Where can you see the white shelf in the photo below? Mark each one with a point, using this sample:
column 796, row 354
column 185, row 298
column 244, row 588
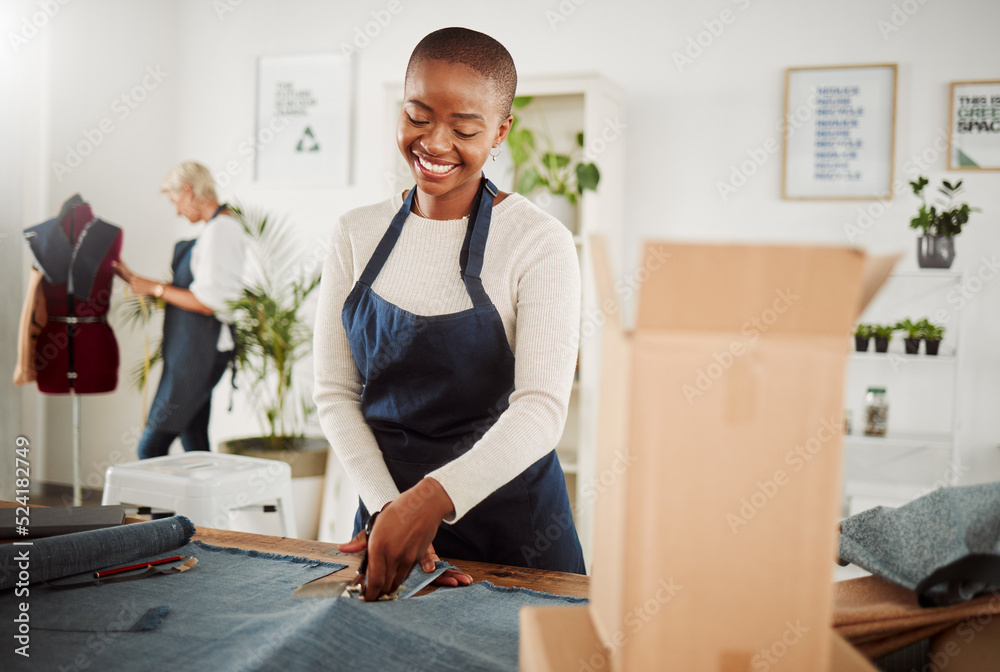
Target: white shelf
column 902, row 440
column 886, row 357
column 931, row 273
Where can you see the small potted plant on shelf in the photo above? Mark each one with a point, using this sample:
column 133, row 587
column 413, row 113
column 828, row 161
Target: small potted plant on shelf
column 556, row 180
column 932, row 335
column 914, row 332
column 862, row 337
column 936, row 247
column 883, row 335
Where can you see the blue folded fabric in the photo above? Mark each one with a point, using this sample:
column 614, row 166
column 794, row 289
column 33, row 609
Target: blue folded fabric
column 234, row 612
column 67, row 554
column 944, row 545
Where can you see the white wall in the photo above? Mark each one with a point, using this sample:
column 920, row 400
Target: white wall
column 687, row 128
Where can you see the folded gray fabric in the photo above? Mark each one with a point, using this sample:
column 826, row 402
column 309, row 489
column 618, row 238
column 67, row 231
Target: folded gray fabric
column 944, row 545
column 67, row 554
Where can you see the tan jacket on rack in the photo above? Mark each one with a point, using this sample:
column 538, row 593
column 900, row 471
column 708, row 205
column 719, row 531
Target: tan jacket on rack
column 33, row 319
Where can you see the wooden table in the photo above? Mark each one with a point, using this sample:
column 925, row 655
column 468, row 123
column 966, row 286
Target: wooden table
column 559, row 583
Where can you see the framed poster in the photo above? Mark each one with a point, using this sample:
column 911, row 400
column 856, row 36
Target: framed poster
column 840, row 128
column 303, row 119
column 974, row 141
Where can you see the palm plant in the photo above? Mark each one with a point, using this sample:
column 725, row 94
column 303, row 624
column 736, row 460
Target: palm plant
column 271, row 336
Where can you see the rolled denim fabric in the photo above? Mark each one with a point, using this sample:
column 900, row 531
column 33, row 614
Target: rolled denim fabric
column 68, row 554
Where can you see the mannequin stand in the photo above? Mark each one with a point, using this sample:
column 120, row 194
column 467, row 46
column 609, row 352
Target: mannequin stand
column 77, row 488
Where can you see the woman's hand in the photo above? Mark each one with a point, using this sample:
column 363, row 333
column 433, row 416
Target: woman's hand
column 451, row 578
column 403, row 534
column 138, row 284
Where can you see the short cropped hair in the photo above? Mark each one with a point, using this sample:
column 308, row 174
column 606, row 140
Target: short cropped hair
column 476, row 50
column 193, row 173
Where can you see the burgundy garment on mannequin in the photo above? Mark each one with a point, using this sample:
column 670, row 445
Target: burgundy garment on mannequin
column 95, row 348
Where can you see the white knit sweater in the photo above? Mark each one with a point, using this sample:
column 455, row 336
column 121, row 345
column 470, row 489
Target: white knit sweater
column 532, row 275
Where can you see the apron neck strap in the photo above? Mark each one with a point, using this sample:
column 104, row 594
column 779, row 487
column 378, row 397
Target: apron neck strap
column 473, row 249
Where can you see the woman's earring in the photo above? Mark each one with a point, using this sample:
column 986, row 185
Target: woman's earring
column 494, row 156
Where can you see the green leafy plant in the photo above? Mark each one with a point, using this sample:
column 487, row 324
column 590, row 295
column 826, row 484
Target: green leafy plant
column 863, row 330
column 538, row 165
column 137, row 312
column 912, row 329
column 883, row 331
column 946, row 221
column 931, row 331
column 271, row 336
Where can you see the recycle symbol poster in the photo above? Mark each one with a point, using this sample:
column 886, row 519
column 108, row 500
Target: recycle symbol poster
column 303, row 119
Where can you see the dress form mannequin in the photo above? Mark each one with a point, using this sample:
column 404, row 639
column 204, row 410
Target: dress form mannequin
column 65, row 343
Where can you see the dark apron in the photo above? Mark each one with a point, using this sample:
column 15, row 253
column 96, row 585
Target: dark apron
column 433, row 386
column 190, row 353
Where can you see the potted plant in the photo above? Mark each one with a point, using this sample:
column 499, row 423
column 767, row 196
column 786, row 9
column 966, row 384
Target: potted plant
column 932, row 335
column 936, row 247
column 272, row 336
column 538, row 167
column 862, row 337
column 883, row 335
column 914, row 332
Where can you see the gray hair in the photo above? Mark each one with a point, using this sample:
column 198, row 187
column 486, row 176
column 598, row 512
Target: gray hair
column 193, row 173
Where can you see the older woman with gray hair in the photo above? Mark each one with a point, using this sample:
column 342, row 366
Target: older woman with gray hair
column 198, row 338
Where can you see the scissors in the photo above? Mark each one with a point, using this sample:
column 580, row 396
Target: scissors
column 357, row 584
column 355, row 587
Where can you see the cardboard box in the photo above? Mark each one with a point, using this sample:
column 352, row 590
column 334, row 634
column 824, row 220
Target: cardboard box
column 718, row 465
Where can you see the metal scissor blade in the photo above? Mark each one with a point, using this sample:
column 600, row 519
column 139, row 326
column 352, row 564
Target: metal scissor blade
column 323, row 587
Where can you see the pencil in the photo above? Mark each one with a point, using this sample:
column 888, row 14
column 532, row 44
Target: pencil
column 100, row 575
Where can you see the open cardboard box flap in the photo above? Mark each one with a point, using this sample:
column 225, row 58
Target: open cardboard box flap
column 744, row 288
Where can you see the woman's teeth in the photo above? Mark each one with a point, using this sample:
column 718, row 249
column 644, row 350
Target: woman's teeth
column 438, row 169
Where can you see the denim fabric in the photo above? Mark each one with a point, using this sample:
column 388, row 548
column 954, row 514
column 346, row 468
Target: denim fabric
column 55, row 557
column 234, row 612
column 907, row 544
column 155, row 443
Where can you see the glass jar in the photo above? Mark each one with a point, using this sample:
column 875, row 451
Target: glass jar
column 876, row 411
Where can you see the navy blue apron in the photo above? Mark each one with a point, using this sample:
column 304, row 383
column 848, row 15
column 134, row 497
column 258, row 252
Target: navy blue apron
column 190, row 354
column 433, row 386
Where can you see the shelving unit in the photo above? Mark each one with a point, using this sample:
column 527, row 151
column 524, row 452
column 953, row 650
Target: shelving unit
column 921, row 450
column 569, row 104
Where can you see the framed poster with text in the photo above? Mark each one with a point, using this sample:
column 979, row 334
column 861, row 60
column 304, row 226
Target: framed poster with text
column 974, row 139
column 303, row 119
column 840, row 128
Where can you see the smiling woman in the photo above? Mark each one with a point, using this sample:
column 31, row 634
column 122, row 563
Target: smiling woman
column 446, row 339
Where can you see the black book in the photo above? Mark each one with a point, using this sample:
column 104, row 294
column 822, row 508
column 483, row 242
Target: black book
column 50, row 521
